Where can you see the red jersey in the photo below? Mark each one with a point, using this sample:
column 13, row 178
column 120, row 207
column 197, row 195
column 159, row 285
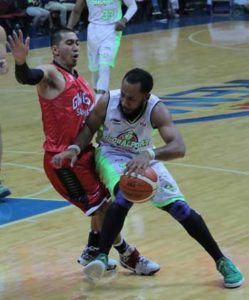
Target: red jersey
column 64, row 116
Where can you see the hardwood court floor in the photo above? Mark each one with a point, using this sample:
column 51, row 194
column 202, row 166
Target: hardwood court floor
column 202, row 72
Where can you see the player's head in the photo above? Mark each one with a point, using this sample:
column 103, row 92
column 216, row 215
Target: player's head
column 135, row 91
column 65, row 47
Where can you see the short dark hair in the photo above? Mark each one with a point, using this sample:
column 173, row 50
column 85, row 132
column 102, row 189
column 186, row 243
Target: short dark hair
column 141, row 76
column 56, row 35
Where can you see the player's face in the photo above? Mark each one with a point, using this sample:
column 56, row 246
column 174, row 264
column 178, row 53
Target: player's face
column 68, row 49
column 132, row 100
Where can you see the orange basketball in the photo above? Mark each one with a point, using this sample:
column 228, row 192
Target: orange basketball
column 140, row 188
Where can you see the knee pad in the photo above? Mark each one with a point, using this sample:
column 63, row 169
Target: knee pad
column 179, row 210
column 120, row 200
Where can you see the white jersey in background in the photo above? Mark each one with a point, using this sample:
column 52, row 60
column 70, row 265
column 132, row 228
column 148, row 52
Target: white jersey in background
column 125, row 135
column 104, row 11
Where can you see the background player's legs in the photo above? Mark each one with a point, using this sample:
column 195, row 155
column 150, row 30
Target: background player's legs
column 95, row 76
column 103, row 80
column 4, row 191
column 3, row 63
column 102, row 83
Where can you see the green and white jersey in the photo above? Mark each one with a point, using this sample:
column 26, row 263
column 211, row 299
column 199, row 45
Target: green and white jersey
column 124, row 135
column 104, row 11
column 121, row 141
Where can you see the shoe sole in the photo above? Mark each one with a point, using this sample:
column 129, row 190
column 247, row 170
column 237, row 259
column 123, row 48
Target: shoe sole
column 234, row 285
column 94, row 271
column 133, row 270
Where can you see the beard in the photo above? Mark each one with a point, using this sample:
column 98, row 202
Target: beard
column 134, row 114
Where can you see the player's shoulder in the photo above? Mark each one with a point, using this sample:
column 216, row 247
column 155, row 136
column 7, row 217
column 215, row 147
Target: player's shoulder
column 50, row 72
column 154, row 101
column 115, row 92
column 47, row 68
column 158, row 106
column 153, row 97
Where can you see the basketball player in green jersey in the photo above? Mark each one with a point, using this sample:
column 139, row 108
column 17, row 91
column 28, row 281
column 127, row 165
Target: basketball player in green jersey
column 104, row 33
column 4, row 191
column 133, row 108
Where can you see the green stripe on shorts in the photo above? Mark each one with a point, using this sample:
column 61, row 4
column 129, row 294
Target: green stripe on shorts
column 107, row 173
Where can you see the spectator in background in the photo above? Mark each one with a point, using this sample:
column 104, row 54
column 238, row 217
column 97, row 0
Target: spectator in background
column 62, row 6
column 156, row 8
column 6, row 6
column 173, row 7
column 38, row 13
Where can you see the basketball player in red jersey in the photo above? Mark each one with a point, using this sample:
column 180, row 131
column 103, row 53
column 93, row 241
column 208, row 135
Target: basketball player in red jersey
column 4, row 191
column 66, row 100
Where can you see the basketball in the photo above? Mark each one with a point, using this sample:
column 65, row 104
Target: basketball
column 139, row 188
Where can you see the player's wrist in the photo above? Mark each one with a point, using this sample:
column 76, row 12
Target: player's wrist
column 75, row 148
column 124, row 20
column 20, row 62
column 151, row 153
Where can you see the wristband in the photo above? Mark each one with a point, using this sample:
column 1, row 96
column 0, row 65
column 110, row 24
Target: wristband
column 151, row 153
column 75, row 147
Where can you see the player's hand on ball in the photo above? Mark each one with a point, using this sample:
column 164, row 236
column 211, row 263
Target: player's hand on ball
column 138, row 164
column 139, row 188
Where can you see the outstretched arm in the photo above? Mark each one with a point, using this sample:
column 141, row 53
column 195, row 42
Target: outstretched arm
column 75, row 14
column 20, row 50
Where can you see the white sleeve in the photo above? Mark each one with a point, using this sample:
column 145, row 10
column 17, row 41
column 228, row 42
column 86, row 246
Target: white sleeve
column 131, row 9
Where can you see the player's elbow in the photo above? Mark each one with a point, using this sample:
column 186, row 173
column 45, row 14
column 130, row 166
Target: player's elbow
column 181, row 150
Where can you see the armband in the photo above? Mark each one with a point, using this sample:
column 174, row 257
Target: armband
column 25, row 75
column 151, row 153
column 74, row 147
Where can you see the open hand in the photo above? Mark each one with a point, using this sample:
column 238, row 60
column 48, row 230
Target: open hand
column 18, row 48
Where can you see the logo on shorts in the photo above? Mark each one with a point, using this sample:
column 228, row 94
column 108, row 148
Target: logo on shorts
column 169, row 187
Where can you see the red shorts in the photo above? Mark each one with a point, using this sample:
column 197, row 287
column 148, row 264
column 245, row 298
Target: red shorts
column 80, row 184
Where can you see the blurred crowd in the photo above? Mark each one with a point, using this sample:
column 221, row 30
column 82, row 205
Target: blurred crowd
column 38, row 17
